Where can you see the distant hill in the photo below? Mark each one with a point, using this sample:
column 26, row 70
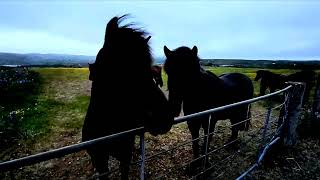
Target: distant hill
column 37, row 59
column 44, row 59
column 314, row 64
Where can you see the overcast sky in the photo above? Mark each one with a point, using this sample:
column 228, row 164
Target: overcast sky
column 232, row 29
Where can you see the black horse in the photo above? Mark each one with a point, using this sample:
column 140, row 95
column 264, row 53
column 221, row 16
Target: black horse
column 306, row 76
column 157, row 74
column 199, row 90
column 269, row 80
column 123, row 96
column 277, row 81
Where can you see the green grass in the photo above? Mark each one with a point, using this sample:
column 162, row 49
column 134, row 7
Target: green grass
column 65, row 74
column 64, row 96
column 59, row 106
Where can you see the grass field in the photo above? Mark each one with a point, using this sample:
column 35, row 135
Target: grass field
column 57, row 117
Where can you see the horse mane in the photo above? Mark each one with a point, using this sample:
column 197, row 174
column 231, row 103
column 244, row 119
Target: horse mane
column 136, row 59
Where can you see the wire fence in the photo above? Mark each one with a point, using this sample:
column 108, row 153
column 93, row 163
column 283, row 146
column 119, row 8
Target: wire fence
column 265, row 136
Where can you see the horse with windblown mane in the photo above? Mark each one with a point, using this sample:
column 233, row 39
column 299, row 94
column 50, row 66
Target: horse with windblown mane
column 124, row 96
column 198, row 90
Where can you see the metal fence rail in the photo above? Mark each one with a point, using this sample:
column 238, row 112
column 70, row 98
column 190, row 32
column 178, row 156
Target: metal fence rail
column 60, row 152
column 242, row 176
column 249, row 101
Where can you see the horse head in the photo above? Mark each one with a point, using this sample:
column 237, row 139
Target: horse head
column 259, row 75
column 181, row 62
column 181, row 65
column 125, row 62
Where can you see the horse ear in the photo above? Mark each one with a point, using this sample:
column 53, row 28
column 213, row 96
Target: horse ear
column 148, row 38
column 195, row 51
column 167, row 51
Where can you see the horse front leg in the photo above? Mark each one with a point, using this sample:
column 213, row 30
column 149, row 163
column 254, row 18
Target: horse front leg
column 208, row 135
column 195, row 143
column 125, row 156
column 194, row 127
column 124, row 169
column 238, row 127
column 208, row 132
column 100, row 163
column 263, row 88
column 234, row 133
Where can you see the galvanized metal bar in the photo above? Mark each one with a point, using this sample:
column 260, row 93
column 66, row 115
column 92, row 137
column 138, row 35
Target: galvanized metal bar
column 143, row 156
column 207, row 143
column 243, row 175
column 185, row 118
column 60, row 152
column 267, row 148
column 253, row 167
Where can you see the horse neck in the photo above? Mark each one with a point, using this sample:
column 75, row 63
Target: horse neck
column 210, row 74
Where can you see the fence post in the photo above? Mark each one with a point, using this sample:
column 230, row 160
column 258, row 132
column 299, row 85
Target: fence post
column 316, row 108
column 292, row 116
column 143, row 156
column 266, row 124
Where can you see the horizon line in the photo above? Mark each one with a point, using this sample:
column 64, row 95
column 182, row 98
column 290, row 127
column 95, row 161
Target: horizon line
column 162, row 57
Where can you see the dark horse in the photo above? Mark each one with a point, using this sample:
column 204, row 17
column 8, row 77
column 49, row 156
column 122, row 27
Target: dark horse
column 306, row 76
column 123, row 96
column 269, row 80
column 198, row 90
column 277, row 81
column 157, row 76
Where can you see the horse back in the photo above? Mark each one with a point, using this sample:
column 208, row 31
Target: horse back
column 238, row 85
